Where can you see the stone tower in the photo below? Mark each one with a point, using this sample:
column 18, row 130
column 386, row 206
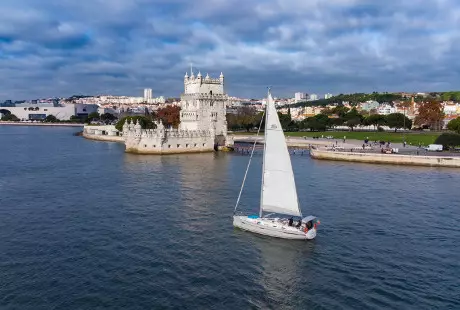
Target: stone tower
column 203, row 105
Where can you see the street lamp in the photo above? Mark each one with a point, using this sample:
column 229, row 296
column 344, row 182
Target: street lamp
column 404, row 126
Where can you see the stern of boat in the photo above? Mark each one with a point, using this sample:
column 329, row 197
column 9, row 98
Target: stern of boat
column 311, row 227
column 311, row 234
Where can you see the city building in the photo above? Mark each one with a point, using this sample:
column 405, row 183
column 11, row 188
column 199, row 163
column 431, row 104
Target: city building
column 299, row 97
column 147, row 94
column 313, row 97
column 385, row 109
column 203, row 124
column 39, row 111
column 369, row 105
column 327, row 96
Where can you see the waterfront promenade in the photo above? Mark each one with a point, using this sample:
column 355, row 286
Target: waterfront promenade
column 308, row 142
column 353, row 151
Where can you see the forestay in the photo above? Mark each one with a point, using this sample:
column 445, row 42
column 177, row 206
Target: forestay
column 279, row 193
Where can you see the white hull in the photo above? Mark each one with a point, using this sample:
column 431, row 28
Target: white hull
column 272, row 227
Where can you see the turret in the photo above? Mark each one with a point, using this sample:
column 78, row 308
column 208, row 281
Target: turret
column 207, row 78
column 221, row 78
column 137, row 126
column 159, row 125
column 125, row 126
column 186, row 77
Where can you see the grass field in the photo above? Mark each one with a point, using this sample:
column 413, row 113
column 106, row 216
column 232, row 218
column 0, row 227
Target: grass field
column 424, row 138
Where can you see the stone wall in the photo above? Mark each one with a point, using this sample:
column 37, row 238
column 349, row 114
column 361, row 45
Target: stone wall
column 377, row 158
column 102, row 133
column 161, row 141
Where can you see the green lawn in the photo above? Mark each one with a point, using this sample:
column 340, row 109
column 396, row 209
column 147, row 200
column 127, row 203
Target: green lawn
column 424, row 138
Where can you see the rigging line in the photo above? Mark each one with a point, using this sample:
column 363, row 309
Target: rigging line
column 247, row 168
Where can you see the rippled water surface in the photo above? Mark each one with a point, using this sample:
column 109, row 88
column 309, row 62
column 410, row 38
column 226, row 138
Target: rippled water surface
column 85, row 226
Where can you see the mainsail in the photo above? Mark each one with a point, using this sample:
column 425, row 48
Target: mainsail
column 279, row 193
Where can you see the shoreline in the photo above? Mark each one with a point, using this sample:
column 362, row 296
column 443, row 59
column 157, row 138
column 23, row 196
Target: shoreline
column 299, row 142
column 389, row 159
column 41, row 124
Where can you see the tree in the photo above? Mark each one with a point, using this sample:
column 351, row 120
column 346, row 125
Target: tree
column 108, row 117
column 398, row 120
column 338, row 121
column 448, row 140
column 51, row 119
column 247, row 118
column 319, row 122
column 76, row 119
column 169, row 115
column 353, row 118
column 93, row 116
column 285, row 119
column 10, row 117
column 373, row 112
column 430, row 113
column 340, row 111
column 232, row 121
column 454, row 125
column 146, row 123
column 375, row 120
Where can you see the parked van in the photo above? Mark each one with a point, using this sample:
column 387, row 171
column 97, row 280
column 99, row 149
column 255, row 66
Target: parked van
column 434, row 147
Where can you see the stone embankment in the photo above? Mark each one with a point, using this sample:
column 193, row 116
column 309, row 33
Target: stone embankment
column 393, row 159
column 298, row 142
column 106, row 133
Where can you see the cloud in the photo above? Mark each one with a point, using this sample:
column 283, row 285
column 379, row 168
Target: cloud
column 60, row 48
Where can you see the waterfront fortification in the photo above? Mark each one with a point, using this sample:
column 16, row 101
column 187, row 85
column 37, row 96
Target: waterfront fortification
column 393, row 159
column 202, row 128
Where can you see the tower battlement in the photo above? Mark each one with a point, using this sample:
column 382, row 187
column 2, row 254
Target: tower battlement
column 203, row 85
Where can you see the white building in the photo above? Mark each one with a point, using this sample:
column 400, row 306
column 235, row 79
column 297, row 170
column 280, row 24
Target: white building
column 202, row 126
column 29, row 111
column 299, row 97
column 327, row 96
column 369, row 105
column 313, row 97
column 385, row 109
column 121, row 100
column 451, row 108
column 147, row 94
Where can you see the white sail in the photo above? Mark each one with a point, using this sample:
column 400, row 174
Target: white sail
column 279, row 193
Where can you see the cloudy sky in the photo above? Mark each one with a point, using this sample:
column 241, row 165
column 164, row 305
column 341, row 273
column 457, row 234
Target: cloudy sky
column 65, row 47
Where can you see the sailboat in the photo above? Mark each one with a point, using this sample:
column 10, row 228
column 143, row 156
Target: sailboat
column 279, row 204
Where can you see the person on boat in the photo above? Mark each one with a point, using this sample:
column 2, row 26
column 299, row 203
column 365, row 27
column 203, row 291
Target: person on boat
column 299, row 223
column 291, row 220
column 309, row 225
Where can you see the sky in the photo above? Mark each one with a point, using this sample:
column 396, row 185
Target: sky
column 64, row 47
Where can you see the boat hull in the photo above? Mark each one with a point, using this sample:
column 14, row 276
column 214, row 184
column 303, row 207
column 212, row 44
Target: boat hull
column 272, row 228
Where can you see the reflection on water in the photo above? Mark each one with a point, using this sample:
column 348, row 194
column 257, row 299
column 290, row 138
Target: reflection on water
column 283, row 269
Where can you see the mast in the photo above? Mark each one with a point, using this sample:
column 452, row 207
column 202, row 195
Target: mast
column 263, row 160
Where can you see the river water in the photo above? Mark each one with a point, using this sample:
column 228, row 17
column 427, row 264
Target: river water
column 85, row 226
